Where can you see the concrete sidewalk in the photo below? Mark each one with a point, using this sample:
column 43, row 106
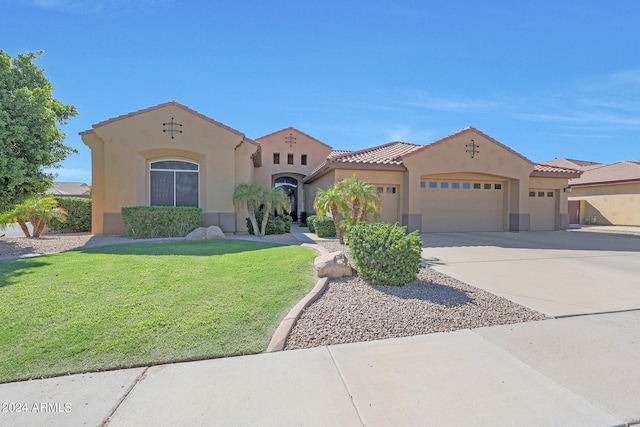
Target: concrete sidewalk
column 580, row 371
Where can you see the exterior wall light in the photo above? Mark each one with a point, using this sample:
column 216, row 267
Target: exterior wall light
column 567, row 189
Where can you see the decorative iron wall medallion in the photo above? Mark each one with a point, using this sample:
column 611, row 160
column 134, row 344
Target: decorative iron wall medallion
column 172, row 128
column 472, row 148
column 290, row 140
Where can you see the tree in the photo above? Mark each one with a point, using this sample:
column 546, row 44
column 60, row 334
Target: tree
column 331, row 200
column 361, row 198
column 37, row 210
column 274, row 198
column 30, row 137
column 250, row 195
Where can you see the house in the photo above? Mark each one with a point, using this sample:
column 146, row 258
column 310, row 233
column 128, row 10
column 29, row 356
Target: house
column 605, row 194
column 70, row 189
column 171, row 155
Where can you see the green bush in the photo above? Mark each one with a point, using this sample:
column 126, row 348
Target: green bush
column 311, row 222
column 276, row 224
column 78, row 215
column 325, row 227
column 385, row 254
column 160, row 221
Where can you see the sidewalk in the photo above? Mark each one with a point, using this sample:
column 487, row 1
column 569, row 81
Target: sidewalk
column 580, row 371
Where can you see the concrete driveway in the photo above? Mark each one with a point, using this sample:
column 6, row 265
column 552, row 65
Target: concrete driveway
column 559, row 273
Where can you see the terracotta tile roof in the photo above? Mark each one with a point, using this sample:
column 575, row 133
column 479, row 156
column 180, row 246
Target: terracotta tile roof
column 570, row 163
column 624, row 171
column 386, row 154
column 547, row 170
column 167, row 104
column 338, row 153
column 292, row 129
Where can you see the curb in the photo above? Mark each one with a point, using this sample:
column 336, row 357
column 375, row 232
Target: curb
column 279, row 338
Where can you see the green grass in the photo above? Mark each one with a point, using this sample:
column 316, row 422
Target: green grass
column 145, row 303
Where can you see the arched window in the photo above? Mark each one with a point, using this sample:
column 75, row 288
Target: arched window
column 174, row 183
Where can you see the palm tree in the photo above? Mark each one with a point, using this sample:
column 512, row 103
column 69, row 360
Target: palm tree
column 37, row 210
column 249, row 194
column 329, row 200
column 371, row 202
column 362, row 198
column 274, row 198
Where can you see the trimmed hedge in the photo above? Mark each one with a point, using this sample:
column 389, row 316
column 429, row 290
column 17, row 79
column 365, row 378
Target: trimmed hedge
column 160, row 221
column 385, row 254
column 325, row 227
column 311, row 223
column 78, row 215
column 276, row 224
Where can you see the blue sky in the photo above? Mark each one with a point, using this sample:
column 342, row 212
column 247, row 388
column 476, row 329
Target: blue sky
column 547, row 78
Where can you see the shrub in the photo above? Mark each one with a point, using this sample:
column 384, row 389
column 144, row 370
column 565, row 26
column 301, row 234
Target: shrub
column 78, row 215
column 276, row 224
column 311, row 222
column 385, row 254
column 325, row 227
column 160, row 221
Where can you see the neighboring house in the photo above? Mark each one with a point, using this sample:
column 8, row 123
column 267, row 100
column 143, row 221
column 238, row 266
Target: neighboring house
column 172, row 155
column 605, row 194
column 75, row 189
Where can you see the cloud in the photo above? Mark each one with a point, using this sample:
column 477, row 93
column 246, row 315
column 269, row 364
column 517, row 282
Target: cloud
column 610, row 101
column 96, row 6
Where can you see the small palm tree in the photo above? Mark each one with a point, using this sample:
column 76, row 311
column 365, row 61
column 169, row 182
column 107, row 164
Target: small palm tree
column 371, row 202
column 274, row 198
column 37, row 210
column 250, row 195
column 329, row 200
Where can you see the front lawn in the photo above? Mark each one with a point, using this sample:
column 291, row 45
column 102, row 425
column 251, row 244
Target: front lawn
column 145, row 303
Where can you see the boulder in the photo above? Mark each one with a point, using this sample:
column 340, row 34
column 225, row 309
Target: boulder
column 214, row 232
column 197, row 234
column 335, row 264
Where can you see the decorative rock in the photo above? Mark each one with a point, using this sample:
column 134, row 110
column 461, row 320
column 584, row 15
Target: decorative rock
column 334, row 264
column 197, row 234
column 214, row 232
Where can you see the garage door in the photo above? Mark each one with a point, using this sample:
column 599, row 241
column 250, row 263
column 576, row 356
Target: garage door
column 459, row 205
column 542, row 207
column 389, row 201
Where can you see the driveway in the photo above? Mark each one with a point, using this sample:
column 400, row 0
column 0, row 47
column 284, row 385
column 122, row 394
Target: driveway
column 559, row 273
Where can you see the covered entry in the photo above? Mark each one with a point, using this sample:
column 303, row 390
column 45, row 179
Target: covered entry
column 450, row 205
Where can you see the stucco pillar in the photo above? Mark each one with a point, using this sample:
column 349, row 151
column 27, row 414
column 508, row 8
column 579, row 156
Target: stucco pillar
column 519, row 217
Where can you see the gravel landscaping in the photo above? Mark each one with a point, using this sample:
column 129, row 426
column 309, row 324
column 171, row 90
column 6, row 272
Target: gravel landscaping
column 352, row 309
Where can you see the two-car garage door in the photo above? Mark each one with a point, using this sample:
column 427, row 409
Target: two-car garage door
column 463, row 205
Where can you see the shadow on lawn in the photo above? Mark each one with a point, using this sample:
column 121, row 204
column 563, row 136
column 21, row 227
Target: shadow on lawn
column 181, row 248
column 12, row 270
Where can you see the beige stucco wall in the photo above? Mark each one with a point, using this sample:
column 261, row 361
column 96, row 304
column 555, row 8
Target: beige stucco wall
column 311, row 189
column 315, row 151
column 617, row 204
column 449, row 157
column 122, row 150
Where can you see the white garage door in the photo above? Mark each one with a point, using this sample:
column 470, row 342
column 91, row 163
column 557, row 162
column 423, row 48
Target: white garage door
column 542, row 206
column 462, row 205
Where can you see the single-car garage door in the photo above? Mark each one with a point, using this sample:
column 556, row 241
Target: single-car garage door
column 542, row 207
column 462, row 205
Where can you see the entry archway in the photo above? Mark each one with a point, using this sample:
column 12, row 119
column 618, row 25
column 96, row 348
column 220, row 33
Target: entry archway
column 290, row 187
